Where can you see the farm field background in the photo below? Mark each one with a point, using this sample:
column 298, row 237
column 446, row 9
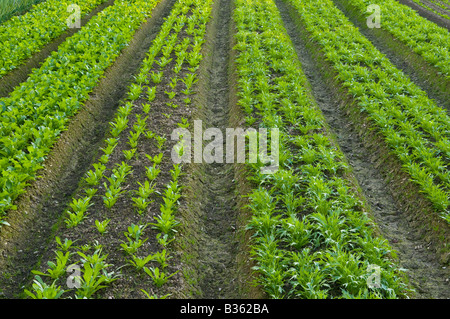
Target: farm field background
column 105, row 104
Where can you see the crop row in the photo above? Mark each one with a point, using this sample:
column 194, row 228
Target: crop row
column 38, row 110
column 24, row 35
column 423, row 37
column 413, row 126
column 437, row 3
column 121, row 178
column 311, row 235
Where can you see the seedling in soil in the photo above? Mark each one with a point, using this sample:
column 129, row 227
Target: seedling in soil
column 125, row 110
column 170, row 94
column 101, row 226
column 154, row 296
column 134, row 91
column 111, row 196
column 109, row 149
column 175, row 172
column 146, row 108
column 189, row 80
column 80, row 205
column 163, row 62
column 160, row 141
column 193, row 68
column 151, row 93
column 150, row 134
column 56, row 269
column 73, row 219
column 194, row 59
column 94, row 177
column 172, row 105
column 165, row 222
column 177, row 68
column 132, row 246
column 187, row 92
column 146, row 189
column 104, row 159
column 164, row 239
column 118, row 126
column 94, row 278
column 141, row 204
column 43, row 291
column 156, row 76
column 129, row 153
column 173, row 83
column 184, row 123
column 155, row 159
column 64, row 246
column 142, row 78
column 140, row 262
column 159, row 277
column 162, row 257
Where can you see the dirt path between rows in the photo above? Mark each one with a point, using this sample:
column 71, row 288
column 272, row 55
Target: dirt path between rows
column 218, row 247
column 428, row 277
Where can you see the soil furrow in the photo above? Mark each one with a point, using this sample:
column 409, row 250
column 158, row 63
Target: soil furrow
column 428, row 277
column 218, row 246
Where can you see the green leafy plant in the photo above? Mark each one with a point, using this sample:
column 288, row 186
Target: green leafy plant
column 43, row 291
column 159, row 277
column 102, row 225
column 56, row 269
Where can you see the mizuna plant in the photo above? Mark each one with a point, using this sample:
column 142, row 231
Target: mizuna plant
column 423, row 36
column 414, row 127
column 311, row 236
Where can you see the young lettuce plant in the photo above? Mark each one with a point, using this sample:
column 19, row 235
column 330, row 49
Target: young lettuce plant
column 57, row 268
column 102, row 225
column 43, row 291
column 159, row 277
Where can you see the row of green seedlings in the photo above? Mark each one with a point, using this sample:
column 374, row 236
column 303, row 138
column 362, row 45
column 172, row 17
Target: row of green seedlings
column 37, row 111
column 311, row 234
column 161, row 55
column 423, row 36
column 165, row 222
column 414, row 127
column 95, row 275
column 437, row 3
column 22, row 35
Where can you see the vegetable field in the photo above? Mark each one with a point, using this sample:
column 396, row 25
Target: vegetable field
column 225, row 149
